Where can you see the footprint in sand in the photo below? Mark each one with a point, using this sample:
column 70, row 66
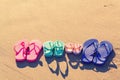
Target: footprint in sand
column 108, row 5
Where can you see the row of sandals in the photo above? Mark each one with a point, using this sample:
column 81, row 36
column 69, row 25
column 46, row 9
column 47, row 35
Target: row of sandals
column 91, row 50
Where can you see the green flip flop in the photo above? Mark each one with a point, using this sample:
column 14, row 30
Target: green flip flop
column 58, row 48
column 48, row 48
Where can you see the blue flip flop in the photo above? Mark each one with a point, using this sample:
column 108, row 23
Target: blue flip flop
column 89, row 49
column 103, row 51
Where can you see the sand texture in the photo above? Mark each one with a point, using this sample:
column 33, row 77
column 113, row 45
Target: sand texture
column 66, row 20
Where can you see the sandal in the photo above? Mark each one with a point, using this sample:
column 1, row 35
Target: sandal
column 76, row 49
column 89, row 50
column 58, row 48
column 33, row 51
column 20, row 50
column 69, row 48
column 48, row 48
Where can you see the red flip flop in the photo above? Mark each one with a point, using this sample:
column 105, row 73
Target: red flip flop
column 34, row 50
column 20, row 49
column 69, row 47
column 77, row 48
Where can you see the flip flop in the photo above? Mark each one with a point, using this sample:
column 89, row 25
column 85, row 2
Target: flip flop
column 76, row 49
column 58, row 48
column 69, row 48
column 89, row 49
column 48, row 48
column 103, row 51
column 20, row 50
column 33, row 52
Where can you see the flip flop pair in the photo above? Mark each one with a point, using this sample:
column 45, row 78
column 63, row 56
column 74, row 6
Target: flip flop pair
column 27, row 50
column 73, row 48
column 96, row 52
column 51, row 48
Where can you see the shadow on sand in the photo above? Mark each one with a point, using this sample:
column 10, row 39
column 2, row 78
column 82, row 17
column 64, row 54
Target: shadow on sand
column 58, row 70
column 101, row 68
column 74, row 62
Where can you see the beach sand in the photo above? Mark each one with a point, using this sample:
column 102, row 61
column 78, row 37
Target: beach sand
column 66, row 20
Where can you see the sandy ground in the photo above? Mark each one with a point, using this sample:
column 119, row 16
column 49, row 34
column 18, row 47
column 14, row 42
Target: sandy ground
column 66, row 20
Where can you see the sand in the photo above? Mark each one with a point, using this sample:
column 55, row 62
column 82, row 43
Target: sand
column 66, row 20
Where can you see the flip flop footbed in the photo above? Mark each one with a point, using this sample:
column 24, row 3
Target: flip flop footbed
column 69, row 47
column 77, row 48
column 103, row 51
column 48, row 48
column 20, row 50
column 89, row 49
column 96, row 60
column 35, row 47
column 58, row 48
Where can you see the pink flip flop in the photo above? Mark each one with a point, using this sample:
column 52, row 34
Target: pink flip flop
column 77, row 48
column 69, row 47
column 20, row 49
column 34, row 50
